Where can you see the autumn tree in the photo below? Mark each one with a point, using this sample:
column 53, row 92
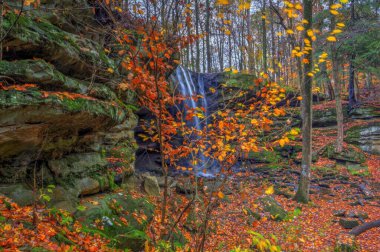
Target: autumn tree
column 302, row 194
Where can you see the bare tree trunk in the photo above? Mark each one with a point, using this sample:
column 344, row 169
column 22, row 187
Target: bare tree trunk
column 337, row 88
column 264, row 30
column 273, row 48
column 197, row 47
column 338, row 106
column 302, row 194
column 351, row 84
column 208, row 45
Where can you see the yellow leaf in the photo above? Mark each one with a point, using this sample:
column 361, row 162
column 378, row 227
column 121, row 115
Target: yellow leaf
column 269, row 190
column 234, row 71
column 304, row 21
column 310, row 33
column 254, row 122
column 298, row 6
column 227, row 32
column 222, row 2
column 28, row 2
column 300, row 28
column 299, row 98
column 110, row 70
column 340, row 25
column 336, row 31
column 227, row 69
column 335, row 6
column 7, row 227
column 293, row 132
column 289, row 31
column 334, row 12
column 344, row 1
column 310, row 74
column 281, row 142
column 220, row 195
column 331, row 38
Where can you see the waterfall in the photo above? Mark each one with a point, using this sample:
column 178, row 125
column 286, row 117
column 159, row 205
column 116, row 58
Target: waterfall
column 190, row 84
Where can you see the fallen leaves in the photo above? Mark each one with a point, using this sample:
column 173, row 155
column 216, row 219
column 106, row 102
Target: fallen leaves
column 17, row 231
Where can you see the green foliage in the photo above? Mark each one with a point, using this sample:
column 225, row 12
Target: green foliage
column 239, row 80
column 294, row 214
column 45, row 194
column 262, row 244
column 364, row 42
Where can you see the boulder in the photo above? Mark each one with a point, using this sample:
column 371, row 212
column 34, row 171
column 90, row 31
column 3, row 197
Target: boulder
column 71, row 54
column 348, row 223
column 19, row 193
column 184, row 187
column 49, row 78
column 123, row 218
column 364, row 112
column 366, row 137
column 349, row 154
column 270, row 205
column 151, row 186
column 77, row 165
column 88, row 186
column 357, row 169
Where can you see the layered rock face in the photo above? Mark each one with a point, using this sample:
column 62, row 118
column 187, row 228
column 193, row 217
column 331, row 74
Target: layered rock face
column 64, row 127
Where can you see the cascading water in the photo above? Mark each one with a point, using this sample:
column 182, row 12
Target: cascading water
column 195, row 94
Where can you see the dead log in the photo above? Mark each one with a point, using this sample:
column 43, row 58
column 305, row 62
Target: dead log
column 364, row 227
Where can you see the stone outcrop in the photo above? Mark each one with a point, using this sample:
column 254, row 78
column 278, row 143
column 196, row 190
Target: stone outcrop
column 366, row 137
column 66, row 126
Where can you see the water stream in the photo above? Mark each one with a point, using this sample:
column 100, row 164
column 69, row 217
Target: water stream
column 191, row 85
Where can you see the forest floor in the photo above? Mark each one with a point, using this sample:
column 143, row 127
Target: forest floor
column 315, row 228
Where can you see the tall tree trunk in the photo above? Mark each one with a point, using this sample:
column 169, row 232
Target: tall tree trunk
column 264, row 30
column 302, row 194
column 208, row 45
column 351, row 84
column 273, row 48
column 250, row 46
column 197, row 47
column 337, row 88
column 338, row 106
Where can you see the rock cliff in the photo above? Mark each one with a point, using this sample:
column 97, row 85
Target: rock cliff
column 61, row 116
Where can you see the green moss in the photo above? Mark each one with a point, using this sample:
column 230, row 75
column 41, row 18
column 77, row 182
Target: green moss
column 264, row 157
column 239, row 80
column 39, row 32
column 348, row 154
column 14, row 98
column 45, row 74
column 119, row 212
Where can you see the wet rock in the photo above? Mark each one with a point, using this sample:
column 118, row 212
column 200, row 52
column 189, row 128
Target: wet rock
column 348, row 223
column 271, row 206
column 357, row 169
column 77, row 164
column 87, row 186
column 19, row 193
column 151, row 186
column 326, row 117
column 184, row 187
column 366, row 137
column 125, row 219
column 339, row 213
column 70, row 53
column 349, row 154
column 356, row 214
column 365, row 112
